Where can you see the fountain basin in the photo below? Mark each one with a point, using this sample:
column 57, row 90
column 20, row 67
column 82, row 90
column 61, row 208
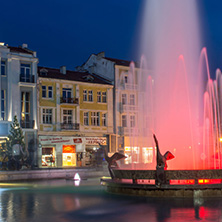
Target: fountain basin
column 179, row 183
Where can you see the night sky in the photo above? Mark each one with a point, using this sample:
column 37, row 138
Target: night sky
column 67, row 32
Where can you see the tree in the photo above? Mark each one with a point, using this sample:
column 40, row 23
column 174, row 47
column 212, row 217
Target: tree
column 15, row 137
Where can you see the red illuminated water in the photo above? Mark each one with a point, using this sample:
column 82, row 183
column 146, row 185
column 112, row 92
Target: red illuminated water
column 60, row 200
column 177, row 99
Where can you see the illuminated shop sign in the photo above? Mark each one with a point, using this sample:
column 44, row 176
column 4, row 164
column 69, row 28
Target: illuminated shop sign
column 95, row 140
column 58, row 140
column 69, row 149
column 78, row 140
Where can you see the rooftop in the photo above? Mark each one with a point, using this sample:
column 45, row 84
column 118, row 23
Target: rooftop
column 122, row 62
column 54, row 73
column 20, row 49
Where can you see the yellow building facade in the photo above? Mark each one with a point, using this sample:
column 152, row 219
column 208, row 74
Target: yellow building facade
column 75, row 112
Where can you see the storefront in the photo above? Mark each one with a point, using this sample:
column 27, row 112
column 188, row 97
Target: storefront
column 70, row 151
column 48, row 156
column 137, row 151
column 69, row 155
column 94, row 155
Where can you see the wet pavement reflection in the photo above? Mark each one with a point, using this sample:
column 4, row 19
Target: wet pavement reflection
column 61, row 200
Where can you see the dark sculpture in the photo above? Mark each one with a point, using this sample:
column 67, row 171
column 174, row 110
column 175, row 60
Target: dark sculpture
column 111, row 160
column 161, row 164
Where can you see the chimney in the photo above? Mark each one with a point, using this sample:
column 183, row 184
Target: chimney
column 63, row 70
column 24, row 46
column 101, row 55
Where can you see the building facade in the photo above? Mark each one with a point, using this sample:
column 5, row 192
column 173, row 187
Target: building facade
column 131, row 122
column 18, row 93
column 75, row 111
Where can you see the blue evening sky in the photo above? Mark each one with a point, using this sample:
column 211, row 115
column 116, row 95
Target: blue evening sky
column 67, row 32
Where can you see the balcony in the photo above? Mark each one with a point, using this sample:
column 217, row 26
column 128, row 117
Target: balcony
column 69, row 100
column 70, row 126
column 27, row 124
column 129, row 131
column 130, row 86
column 27, row 79
column 128, row 108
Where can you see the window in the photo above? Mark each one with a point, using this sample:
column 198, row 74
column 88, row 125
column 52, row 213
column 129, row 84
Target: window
column 124, row 99
column 90, row 95
column 25, row 106
column 84, row 95
column 86, row 118
column 43, row 91
column 104, row 97
column 66, row 93
column 50, row 92
column 3, row 105
column 124, row 121
column 104, row 123
column 99, row 97
column 67, row 116
column 95, row 121
column 3, row 68
column 47, row 116
column 25, row 72
column 132, row 99
column 132, row 121
column 126, row 79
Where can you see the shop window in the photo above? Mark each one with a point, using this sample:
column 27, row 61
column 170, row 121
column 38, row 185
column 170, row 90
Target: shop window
column 48, row 156
column 69, row 155
column 147, row 154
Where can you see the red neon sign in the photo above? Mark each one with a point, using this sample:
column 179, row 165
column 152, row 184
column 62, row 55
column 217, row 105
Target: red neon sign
column 182, row 182
column 209, row 181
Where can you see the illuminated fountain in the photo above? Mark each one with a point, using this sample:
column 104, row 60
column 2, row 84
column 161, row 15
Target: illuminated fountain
column 177, row 100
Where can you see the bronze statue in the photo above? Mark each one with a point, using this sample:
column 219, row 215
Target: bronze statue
column 161, row 164
column 161, row 159
column 112, row 160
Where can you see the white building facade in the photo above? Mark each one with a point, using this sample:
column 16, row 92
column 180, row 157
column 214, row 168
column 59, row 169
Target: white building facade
column 18, row 93
column 130, row 130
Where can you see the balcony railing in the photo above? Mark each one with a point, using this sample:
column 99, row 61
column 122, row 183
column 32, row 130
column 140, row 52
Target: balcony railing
column 70, row 126
column 69, row 100
column 27, row 124
column 126, row 108
column 131, row 86
column 30, row 79
column 129, row 131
